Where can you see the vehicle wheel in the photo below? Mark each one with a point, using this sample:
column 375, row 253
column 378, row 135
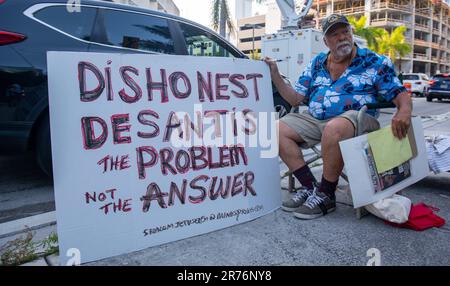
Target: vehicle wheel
column 429, row 99
column 43, row 146
column 439, row 99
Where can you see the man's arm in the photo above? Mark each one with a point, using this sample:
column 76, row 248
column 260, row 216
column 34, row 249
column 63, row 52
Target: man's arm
column 285, row 89
column 402, row 118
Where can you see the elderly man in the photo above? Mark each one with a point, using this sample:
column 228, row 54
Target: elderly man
column 336, row 84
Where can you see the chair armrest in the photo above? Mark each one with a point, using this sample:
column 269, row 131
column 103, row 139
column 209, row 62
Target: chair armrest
column 367, row 106
column 380, row 105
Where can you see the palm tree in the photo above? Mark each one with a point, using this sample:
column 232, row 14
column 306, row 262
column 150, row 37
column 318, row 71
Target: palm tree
column 369, row 33
column 221, row 18
column 254, row 55
column 393, row 44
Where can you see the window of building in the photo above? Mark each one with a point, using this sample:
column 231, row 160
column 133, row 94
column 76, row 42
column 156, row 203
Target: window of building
column 250, row 26
column 246, row 40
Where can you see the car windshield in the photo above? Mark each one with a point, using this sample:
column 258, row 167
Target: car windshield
column 410, row 77
column 442, row 77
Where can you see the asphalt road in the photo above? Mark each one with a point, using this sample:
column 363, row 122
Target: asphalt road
column 26, row 191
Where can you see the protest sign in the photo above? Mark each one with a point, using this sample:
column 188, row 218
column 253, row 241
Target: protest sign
column 149, row 149
column 363, row 183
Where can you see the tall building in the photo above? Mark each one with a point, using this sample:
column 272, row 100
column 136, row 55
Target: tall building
column 427, row 23
column 243, row 9
column 249, row 33
column 166, row 6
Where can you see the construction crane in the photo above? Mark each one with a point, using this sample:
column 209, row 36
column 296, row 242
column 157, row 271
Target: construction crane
column 293, row 12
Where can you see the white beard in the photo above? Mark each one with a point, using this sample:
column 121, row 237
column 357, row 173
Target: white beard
column 344, row 50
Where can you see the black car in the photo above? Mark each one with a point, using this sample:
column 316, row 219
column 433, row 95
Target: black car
column 28, row 29
column 439, row 87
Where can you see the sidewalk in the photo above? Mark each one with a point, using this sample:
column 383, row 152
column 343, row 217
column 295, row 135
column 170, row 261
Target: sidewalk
column 336, row 239
column 281, row 239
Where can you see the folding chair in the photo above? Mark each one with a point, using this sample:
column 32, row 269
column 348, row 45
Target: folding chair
column 317, row 154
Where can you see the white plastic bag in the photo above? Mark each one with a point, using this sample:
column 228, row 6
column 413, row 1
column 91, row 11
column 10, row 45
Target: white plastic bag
column 395, row 208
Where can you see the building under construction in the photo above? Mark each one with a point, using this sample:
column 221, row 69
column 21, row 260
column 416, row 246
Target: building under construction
column 427, row 23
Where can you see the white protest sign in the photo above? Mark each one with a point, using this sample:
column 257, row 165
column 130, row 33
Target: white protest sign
column 358, row 171
column 149, row 149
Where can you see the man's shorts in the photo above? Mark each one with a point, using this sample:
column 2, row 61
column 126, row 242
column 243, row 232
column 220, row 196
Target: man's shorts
column 310, row 129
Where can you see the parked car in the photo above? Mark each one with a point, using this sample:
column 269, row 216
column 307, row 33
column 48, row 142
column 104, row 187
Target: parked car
column 439, row 87
column 416, row 83
column 28, row 29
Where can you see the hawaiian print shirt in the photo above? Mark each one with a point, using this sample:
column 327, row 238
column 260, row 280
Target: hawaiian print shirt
column 369, row 79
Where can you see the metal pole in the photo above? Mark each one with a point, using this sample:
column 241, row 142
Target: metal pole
column 253, row 42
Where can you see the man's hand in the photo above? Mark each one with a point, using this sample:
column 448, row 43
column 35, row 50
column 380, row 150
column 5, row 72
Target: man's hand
column 272, row 65
column 286, row 91
column 400, row 124
column 402, row 118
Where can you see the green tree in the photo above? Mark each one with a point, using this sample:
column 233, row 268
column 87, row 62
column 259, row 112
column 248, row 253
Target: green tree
column 254, row 55
column 393, row 44
column 221, row 18
column 369, row 33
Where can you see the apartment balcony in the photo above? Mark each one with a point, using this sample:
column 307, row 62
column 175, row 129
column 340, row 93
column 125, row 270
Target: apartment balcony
column 435, row 45
column 424, row 12
column 391, row 6
column 422, row 43
column 436, row 31
column 380, row 22
column 423, row 57
column 422, row 27
column 351, row 11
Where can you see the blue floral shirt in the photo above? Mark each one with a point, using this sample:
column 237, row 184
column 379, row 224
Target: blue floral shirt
column 369, row 78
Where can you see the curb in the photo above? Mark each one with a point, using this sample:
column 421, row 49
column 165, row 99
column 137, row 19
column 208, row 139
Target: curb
column 29, row 223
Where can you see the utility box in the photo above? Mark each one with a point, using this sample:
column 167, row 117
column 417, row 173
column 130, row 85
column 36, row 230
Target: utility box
column 295, row 49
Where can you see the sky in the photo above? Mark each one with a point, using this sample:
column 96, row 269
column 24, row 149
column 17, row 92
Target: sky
column 200, row 10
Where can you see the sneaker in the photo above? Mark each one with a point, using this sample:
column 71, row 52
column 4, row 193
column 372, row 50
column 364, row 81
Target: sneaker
column 317, row 205
column 297, row 200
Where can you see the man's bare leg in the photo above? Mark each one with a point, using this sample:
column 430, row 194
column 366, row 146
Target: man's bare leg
column 336, row 130
column 291, row 154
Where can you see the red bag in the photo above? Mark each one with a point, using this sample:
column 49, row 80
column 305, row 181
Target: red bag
column 421, row 217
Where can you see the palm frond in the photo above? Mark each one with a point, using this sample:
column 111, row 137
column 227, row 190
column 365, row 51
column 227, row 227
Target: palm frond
column 227, row 16
column 215, row 14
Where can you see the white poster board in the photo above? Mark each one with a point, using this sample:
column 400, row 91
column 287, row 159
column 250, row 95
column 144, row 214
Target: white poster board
column 357, row 169
column 124, row 179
